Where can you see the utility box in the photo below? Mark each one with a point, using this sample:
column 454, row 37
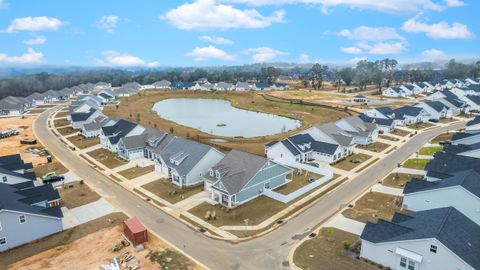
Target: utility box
column 135, row 231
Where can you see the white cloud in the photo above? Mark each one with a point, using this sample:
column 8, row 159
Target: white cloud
column 34, row 24
column 377, row 48
column 108, row 23
column 216, row 40
column 210, row 52
column 30, row 57
column 371, row 33
column 304, row 58
column 3, row 5
column 355, row 60
column 389, row 6
column 441, row 30
column 433, row 54
column 35, row 41
column 264, row 54
column 454, row 3
column 208, row 14
column 114, row 58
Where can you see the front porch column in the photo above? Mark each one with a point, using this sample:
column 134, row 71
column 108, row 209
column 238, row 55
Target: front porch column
column 213, row 195
column 229, row 201
column 220, row 198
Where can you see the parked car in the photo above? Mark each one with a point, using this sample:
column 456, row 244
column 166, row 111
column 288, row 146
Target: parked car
column 53, row 179
column 28, row 141
column 48, row 175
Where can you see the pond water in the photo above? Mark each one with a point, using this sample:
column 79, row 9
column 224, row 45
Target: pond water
column 219, row 117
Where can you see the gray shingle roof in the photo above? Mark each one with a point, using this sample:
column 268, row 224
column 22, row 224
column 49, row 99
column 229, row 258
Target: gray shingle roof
column 362, row 128
column 475, row 121
column 337, row 134
column 436, row 105
column 470, row 180
column 446, row 165
column 82, row 116
column 454, row 230
column 305, row 143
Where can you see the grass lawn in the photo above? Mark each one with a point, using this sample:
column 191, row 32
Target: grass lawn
column 416, row 163
column 442, row 137
column 429, row 151
column 109, row 159
column 420, row 126
column 398, row 180
column 389, row 138
column 55, row 166
column 61, row 114
column 373, row 206
column 164, row 189
column 81, row 142
column 352, row 161
column 326, row 252
column 135, row 172
column 79, row 194
column 298, row 181
column 374, row 147
column 67, row 131
column 61, row 122
column 400, row 132
column 59, row 239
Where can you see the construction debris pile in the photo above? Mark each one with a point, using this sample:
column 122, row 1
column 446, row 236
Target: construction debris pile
column 125, row 261
column 9, row 133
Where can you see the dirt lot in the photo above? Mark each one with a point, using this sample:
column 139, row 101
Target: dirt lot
column 352, row 161
column 93, row 250
column 375, row 147
column 79, row 194
column 61, row 122
column 42, row 169
column 373, row 206
column 81, row 142
column 400, row 132
column 398, row 180
column 135, row 172
column 107, row 158
column 443, row 137
column 164, row 189
column 142, row 105
column 67, row 131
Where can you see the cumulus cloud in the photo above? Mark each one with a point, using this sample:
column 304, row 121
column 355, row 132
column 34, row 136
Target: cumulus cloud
column 264, row 54
column 30, row 57
column 114, row 58
column 378, row 48
column 216, row 40
column 374, row 40
column 107, row 23
column 35, row 41
column 34, row 24
column 454, row 3
column 210, row 52
column 433, row 54
column 304, row 58
column 441, row 30
column 352, row 50
column 208, row 14
column 355, row 60
column 371, row 33
column 389, row 6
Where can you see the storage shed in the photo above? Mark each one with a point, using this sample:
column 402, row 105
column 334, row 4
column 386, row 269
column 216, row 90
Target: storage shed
column 135, row 231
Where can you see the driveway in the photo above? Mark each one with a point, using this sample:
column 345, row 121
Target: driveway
column 86, row 213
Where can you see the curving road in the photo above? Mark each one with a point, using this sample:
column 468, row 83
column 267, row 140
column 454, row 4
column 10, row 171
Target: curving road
column 267, row 252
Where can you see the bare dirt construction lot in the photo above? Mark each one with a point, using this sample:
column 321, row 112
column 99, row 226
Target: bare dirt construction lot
column 95, row 249
column 76, row 194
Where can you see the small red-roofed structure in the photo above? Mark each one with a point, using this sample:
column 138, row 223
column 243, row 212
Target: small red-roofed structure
column 135, row 231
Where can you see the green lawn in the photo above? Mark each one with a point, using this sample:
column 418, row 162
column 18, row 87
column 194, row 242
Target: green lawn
column 416, row 163
column 429, row 151
column 164, row 189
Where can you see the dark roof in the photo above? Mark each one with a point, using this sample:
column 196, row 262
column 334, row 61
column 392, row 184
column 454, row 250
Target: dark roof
column 14, row 199
column 463, row 135
column 475, row 121
column 44, row 192
column 118, row 130
column 378, row 121
column 104, row 95
column 385, row 110
column 436, row 105
column 454, row 230
column 460, row 148
column 271, row 143
column 360, row 96
column 262, row 85
column 82, row 116
column 323, row 147
column 303, row 143
column 14, row 163
column 407, row 110
column 446, row 165
column 470, row 180
column 27, row 176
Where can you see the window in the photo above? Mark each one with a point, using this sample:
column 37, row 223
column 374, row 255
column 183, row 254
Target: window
column 403, row 262
column 4, row 179
column 433, row 248
column 3, row 241
column 22, row 219
column 407, row 264
column 411, row 265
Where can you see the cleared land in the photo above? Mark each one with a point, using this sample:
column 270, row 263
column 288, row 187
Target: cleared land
column 298, row 181
column 79, row 194
column 352, row 161
column 142, row 105
column 55, row 166
column 400, row 132
column 429, row 151
column 164, row 189
column 398, row 180
column 389, row 138
column 420, row 126
column 61, row 114
column 67, row 131
column 61, row 122
column 375, row 147
column 416, row 163
column 373, row 206
column 326, row 251
column 135, row 172
column 109, row 159
column 81, row 142
column 442, row 137
column 447, row 120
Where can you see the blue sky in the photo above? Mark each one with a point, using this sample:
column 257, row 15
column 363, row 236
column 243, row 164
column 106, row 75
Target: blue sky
column 153, row 33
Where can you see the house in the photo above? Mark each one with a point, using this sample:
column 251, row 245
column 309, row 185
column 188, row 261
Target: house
column 155, row 145
column 206, row 86
column 261, row 86
column 467, row 138
column 102, row 85
column 163, row 84
column 36, row 99
column 436, row 96
column 125, row 91
column 28, row 214
column 303, row 148
column 279, row 86
column 93, row 128
column 360, row 99
column 52, row 96
column 111, row 135
column 473, row 125
column 395, row 91
column 441, row 238
column 435, row 109
column 462, row 189
column 363, row 132
column 242, row 86
column 412, row 115
column 331, row 133
column 412, row 89
column 425, row 88
column 133, row 147
column 473, row 102
column 467, row 150
column 445, row 165
column 383, row 125
column 223, row 86
column 240, row 177
column 381, row 112
column 11, row 177
column 79, row 119
column 11, row 108
column 186, row 162
column 14, row 163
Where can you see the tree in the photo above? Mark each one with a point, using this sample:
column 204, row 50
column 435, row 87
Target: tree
column 317, row 75
column 347, row 74
column 387, row 66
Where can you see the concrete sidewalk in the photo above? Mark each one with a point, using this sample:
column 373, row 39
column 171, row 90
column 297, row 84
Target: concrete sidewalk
column 387, row 190
column 346, row 224
column 410, row 171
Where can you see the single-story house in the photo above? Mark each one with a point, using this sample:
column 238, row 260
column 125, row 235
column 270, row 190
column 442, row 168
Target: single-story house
column 441, row 238
column 462, row 191
column 333, row 134
column 382, row 112
column 363, row 132
column 223, row 86
column 14, row 163
column 467, row 150
column 186, row 162
column 383, row 125
column 261, row 86
column 111, row 135
column 37, row 99
column 473, row 102
column 79, row 119
column 473, row 125
column 445, row 165
column 93, row 128
column 11, row 108
column 240, row 177
column 436, row 109
column 412, row 115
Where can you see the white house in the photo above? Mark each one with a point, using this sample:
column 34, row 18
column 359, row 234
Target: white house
column 412, row 115
column 394, row 91
column 79, row 119
column 93, row 128
column 383, row 124
column 436, row 109
column 331, row 133
column 441, row 238
column 363, row 132
column 111, row 135
column 473, row 125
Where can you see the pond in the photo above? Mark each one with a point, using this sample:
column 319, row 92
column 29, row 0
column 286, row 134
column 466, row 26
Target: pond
column 218, row 117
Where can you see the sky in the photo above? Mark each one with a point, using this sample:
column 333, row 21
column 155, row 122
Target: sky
column 165, row 33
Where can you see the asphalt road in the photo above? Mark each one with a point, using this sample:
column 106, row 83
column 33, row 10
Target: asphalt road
column 267, row 252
